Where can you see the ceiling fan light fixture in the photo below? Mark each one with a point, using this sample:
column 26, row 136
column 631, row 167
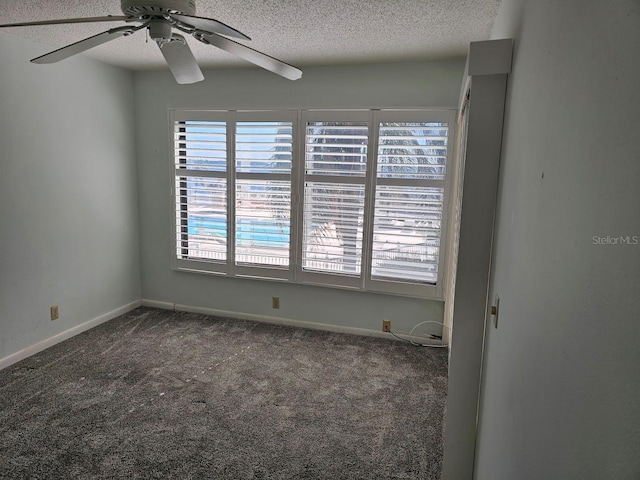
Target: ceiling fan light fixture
column 160, row 31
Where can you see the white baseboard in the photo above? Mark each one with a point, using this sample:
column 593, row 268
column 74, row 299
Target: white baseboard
column 283, row 321
column 60, row 337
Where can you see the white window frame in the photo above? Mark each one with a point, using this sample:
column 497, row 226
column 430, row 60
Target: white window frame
column 404, row 287
column 330, row 278
column 294, row 272
column 229, row 267
column 192, row 264
column 267, row 272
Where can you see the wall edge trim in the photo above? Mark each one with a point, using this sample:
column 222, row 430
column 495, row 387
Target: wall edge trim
column 289, row 322
column 65, row 335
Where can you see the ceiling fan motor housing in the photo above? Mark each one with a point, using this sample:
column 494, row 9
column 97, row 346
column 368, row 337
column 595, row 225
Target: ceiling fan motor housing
column 159, row 18
column 146, row 8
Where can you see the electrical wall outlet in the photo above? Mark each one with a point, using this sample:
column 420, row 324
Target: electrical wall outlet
column 54, row 312
column 275, row 302
column 386, row 325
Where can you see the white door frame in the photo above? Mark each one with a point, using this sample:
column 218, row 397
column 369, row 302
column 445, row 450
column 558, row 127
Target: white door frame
column 488, row 66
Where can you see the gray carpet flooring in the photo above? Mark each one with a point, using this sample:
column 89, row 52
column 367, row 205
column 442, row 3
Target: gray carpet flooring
column 163, row 394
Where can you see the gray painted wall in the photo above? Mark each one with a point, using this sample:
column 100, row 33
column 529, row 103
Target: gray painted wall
column 68, row 205
column 561, row 375
column 407, row 85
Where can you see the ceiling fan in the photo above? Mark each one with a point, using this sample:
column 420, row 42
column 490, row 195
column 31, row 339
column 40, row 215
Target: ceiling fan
column 161, row 17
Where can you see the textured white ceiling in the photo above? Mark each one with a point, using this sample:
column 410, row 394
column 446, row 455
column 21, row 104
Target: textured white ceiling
column 300, row 32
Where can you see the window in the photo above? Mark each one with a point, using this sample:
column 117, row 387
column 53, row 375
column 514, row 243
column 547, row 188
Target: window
column 263, row 154
column 353, row 199
column 201, row 188
column 335, row 164
column 409, row 200
column 233, row 181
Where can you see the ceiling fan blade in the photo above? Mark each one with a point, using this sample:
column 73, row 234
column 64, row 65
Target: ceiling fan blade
column 86, row 44
column 209, row 25
column 181, row 61
column 108, row 18
column 254, row 56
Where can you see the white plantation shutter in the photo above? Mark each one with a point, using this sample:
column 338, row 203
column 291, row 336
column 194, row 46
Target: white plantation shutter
column 412, row 150
column 406, row 239
column 233, row 181
column 354, row 199
column 333, row 217
column 200, row 189
column 334, row 190
column 336, row 148
column 409, row 201
column 263, row 159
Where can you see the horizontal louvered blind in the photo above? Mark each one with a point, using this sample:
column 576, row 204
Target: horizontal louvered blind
column 200, row 145
column 412, row 150
column 264, row 147
column 336, row 148
column 348, row 198
column 333, row 214
column 201, row 207
column 263, row 193
column 406, row 239
column 408, row 213
column 200, row 153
